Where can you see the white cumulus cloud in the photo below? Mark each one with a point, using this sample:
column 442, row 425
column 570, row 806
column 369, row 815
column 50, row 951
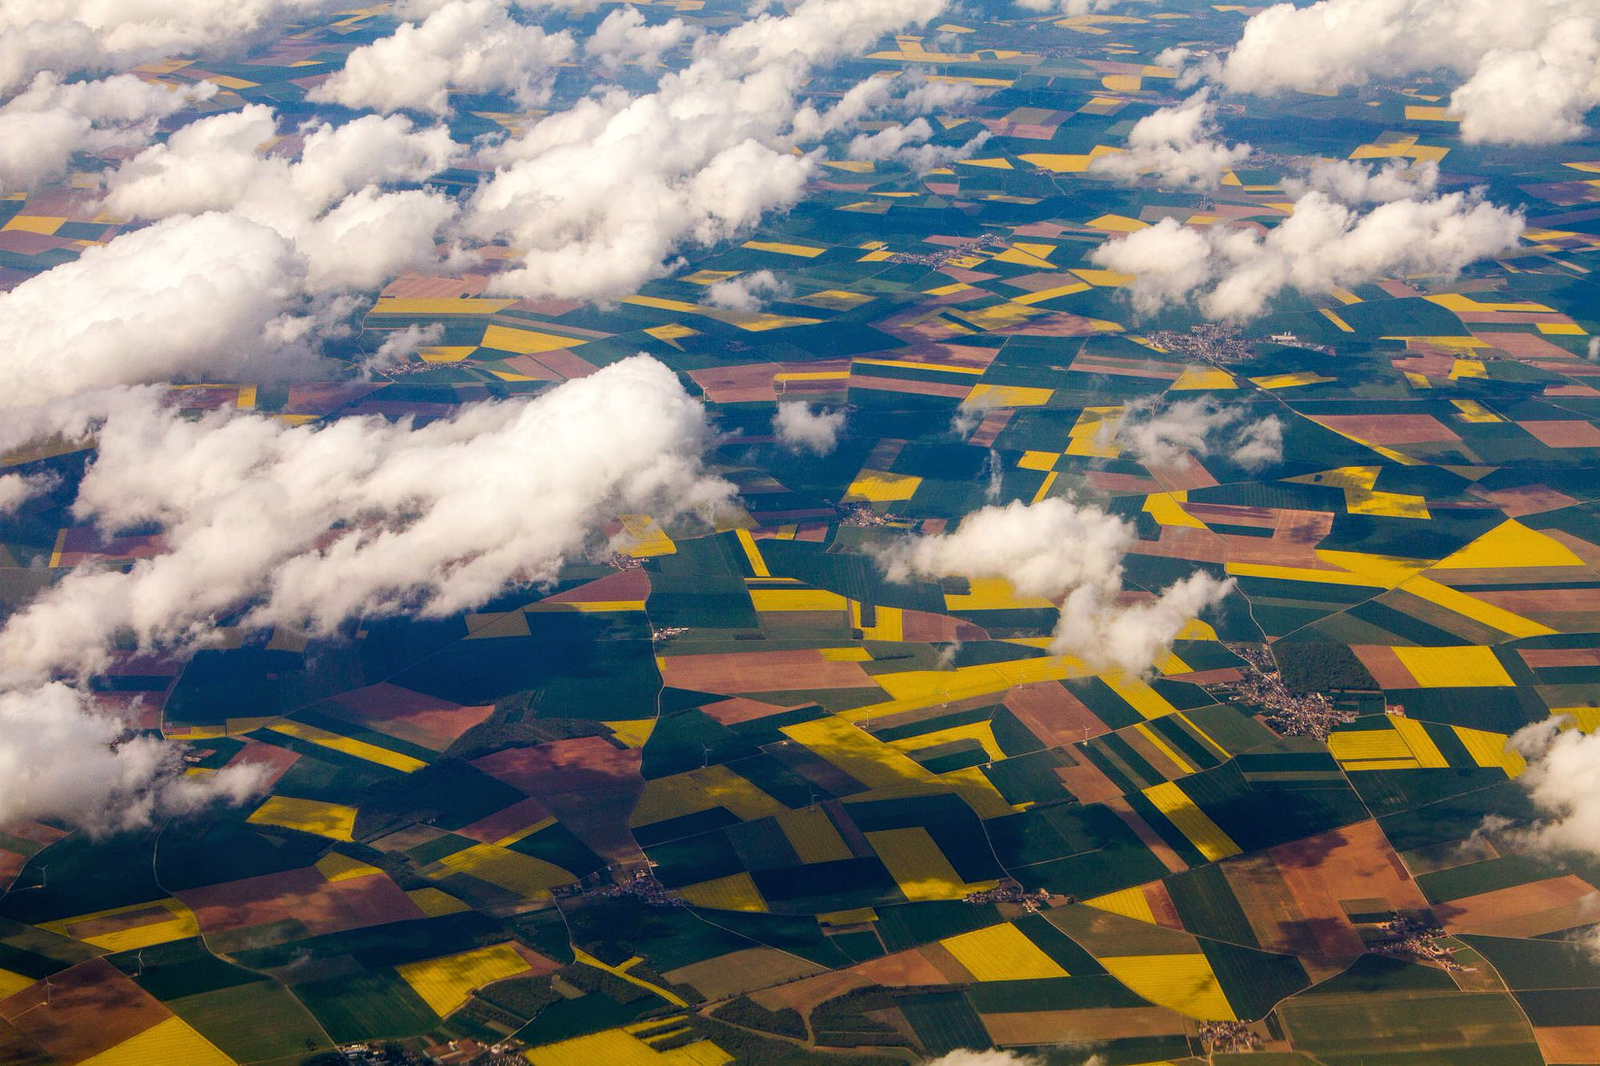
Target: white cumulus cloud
column 1233, row 273
column 18, row 489
column 746, row 292
column 1356, row 183
column 470, row 45
column 72, row 35
column 1071, row 554
column 182, row 297
column 801, row 427
column 598, row 198
column 625, row 37
column 1563, row 779
column 1180, row 145
column 61, row 757
column 306, row 526
column 1531, row 69
column 42, row 128
column 1160, row 434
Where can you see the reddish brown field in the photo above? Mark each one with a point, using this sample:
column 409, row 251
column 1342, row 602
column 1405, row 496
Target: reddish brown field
column 627, row 585
column 303, row 895
column 948, row 354
column 567, row 364
column 945, row 964
column 1162, row 908
column 1390, row 429
column 926, row 626
column 751, row 383
column 1524, row 910
column 274, row 760
column 92, row 1007
column 1564, row 434
column 1558, row 608
column 762, row 671
column 805, row 994
column 1354, row 862
column 1276, row 918
column 1433, row 363
column 540, row 964
column 425, row 720
column 83, row 543
column 1105, row 481
column 1542, row 658
column 1234, row 515
column 1385, row 667
column 1526, row 499
column 1052, row 713
column 1183, row 475
column 1578, row 1045
column 586, row 783
column 739, row 709
column 531, row 367
column 423, row 287
column 990, row 427
column 1052, row 1027
column 503, row 823
column 908, row 969
column 1059, row 324
column 1181, row 542
column 562, row 766
column 1524, row 345
column 325, row 396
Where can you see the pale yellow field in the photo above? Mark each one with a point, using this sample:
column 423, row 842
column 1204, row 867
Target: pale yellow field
column 1423, row 749
column 700, row 790
column 337, row 867
column 1191, row 821
column 982, row 732
column 434, row 902
column 645, row 537
column 856, row 752
column 1370, row 745
column 797, row 600
column 1184, row 983
column 1094, row 434
column 1491, row 749
column 179, row 923
column 882, row 486
column 987, row 395
column 992, row 594
column 918, row 866
column 1140, row 696
column 1468, row 666
column 447, row 982
column 333, row 820
column 1511, row 544
column 736, row 892
column 12, row 983
column 513, row 871
column 1128, row 902
column 1001, row 953
column 621, row 971
column 171, row 1041
column 616, row 1047
column 812, row 835
column 349, row 746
